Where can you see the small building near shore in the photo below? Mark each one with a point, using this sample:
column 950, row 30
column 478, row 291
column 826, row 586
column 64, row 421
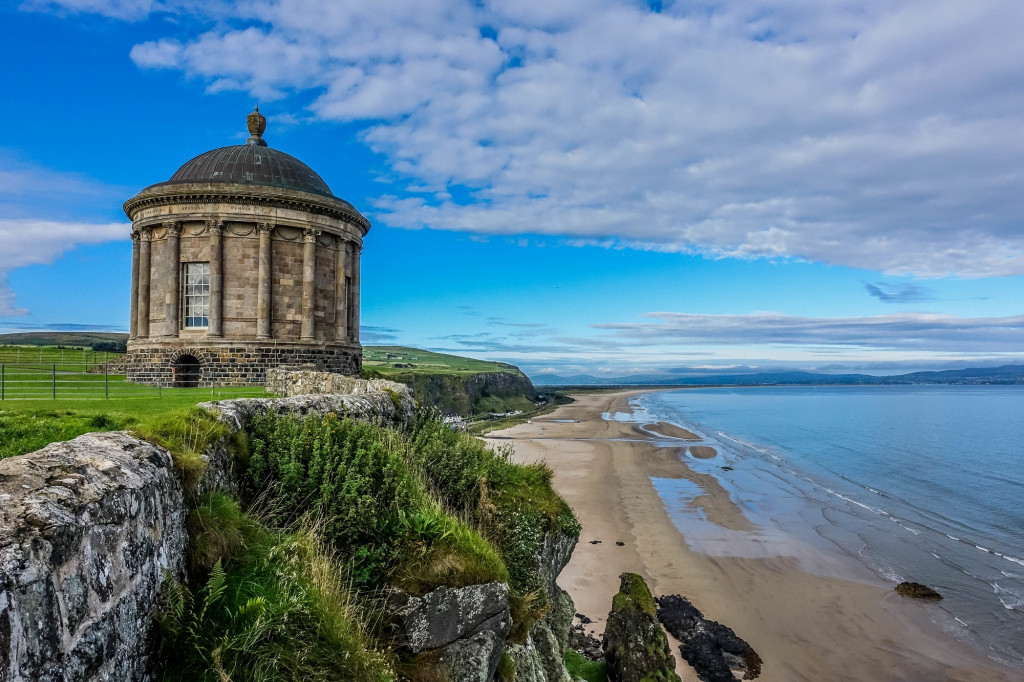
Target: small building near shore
column 242, row 261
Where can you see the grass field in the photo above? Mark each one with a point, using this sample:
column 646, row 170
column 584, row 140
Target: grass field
column 403, row 360
column 74, row 359
column 27, row 425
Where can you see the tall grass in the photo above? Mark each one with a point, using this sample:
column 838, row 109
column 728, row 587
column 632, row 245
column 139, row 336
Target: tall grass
column 281, row 610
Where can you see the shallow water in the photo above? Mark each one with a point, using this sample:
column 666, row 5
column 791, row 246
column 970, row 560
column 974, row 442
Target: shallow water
column 922, row 483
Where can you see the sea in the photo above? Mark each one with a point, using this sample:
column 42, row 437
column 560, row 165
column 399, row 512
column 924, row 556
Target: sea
column 880, row 484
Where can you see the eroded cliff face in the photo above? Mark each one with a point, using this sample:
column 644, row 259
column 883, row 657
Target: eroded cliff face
column 87, row 529
column 463, row 394
column 541, row 657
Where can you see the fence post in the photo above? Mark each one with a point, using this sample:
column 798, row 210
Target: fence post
column 54, row 378
column 106, row 383
column 3, row 375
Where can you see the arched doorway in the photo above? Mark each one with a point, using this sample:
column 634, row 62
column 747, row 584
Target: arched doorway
column 186, row 372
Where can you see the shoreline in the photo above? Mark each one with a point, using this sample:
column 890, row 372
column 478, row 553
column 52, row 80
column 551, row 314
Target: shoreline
column 805, row 626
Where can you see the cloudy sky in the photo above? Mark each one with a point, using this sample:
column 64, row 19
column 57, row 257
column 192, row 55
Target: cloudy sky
column 607, row 186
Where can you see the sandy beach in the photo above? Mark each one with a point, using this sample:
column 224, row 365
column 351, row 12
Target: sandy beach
column 805, row 626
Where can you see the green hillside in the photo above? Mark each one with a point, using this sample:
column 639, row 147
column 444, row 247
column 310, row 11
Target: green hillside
column 388, row 360
column 59, row 338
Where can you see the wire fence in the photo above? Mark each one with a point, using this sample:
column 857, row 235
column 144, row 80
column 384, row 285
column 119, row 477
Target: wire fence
column 85, row 359
column 53, row 381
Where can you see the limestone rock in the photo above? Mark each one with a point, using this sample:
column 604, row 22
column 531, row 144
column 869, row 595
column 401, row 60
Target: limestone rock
column 87, row 529
column 475, row 658
column 635, row 647
column 447, row 614
column 711, row 648
column 917, row 591
column 376, row 399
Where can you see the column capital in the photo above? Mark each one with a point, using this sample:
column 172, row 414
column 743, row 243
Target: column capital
column 309, row 235
column 263, row 228
column 215, row 225
column 136, row 236
column 173, row 228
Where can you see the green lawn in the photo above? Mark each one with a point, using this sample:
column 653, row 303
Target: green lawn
column 27, row 425
column 43, row 357
column 384, row 359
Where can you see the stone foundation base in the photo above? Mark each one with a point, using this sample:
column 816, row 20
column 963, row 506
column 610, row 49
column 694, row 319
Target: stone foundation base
column 236, row 363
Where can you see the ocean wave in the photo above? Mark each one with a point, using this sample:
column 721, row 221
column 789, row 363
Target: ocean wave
column 749, row 445
column 1010, row 600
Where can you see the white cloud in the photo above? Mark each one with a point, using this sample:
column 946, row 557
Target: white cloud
column 117, row 9
column 28, row 192
column 883, row 135
column 37, row 242
column 904, row 331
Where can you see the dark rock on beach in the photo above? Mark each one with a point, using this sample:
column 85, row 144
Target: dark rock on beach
column 585, row 643
column 711, row 648
column 918, row 591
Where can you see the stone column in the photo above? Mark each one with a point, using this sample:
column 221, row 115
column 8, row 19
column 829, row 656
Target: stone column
column 357, row 255
column 263, row 300
column 172, row 299
column 340, row 294
column 133, row 320
column 308, row 281
column 142, row 324
column 216, row 325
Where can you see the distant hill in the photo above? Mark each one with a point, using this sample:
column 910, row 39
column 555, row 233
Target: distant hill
column 1007, row 374
column 59, row 338
column 404, row 360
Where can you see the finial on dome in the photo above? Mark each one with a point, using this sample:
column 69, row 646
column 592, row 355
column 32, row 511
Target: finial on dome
column 257, row 123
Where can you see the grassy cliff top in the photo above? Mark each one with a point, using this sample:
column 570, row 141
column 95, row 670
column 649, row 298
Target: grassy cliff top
column 402, row 360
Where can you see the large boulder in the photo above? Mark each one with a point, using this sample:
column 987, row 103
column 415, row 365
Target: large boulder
column 375, row 399
column 460, row 630
column 88, row 529
column 713, row 649
column 635, row 647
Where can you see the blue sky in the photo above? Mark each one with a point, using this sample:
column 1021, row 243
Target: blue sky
column 607, row 187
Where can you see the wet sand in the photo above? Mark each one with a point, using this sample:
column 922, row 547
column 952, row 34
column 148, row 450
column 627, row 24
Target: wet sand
column 805, row 626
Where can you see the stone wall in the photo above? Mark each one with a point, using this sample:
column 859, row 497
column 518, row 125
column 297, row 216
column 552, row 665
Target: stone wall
column 289, row 381
column 236, row 363
column 87, row 529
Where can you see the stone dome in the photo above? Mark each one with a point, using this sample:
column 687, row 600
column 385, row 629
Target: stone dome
column 252, row 163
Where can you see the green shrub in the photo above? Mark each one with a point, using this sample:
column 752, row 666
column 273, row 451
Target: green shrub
column 581, row 668
column 186, row 433
column 281, row 611
column 352, row 475
column 454, row 554
column 506, row 671
column 217, row 530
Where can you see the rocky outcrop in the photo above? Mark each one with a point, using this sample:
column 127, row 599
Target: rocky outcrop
column 635, row 647
column 541, row 657
column 374, row 399
column 462, row 394
column 917, row 591
column 87, row 529
column 465, row 627
column 711, row 648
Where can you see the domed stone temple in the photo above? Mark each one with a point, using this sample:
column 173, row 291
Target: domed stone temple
column 244, row 260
